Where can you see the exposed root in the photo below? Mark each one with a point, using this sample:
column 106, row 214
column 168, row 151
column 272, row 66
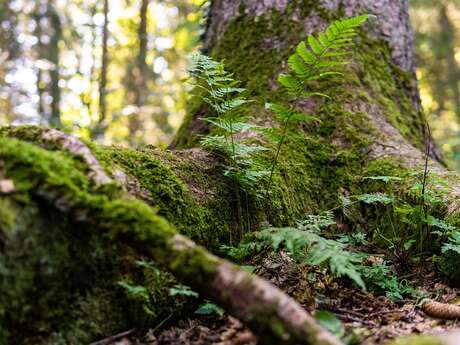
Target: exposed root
column 53, row 138
column 441, row 310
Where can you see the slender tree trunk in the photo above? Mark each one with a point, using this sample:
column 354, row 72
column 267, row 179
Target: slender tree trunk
column 102, row 122
column 76, row 246
column 40, row 55
column 54, row 57
column 141, row 73
column 447, row 42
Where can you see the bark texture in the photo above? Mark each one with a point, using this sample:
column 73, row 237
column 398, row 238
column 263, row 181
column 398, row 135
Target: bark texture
column 70, row 246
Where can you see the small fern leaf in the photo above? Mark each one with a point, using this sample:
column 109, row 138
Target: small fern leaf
column 323, row 39
column 305, row 54
column 313, row 94
column 356, row 21
column 292, row 84
column 281, row 112
column 315, row 45
column 297, row 65
column 323, row 75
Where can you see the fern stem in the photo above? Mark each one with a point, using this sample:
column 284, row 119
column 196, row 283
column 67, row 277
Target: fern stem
column 425, row 227
column 278, row 150
column 232, row 139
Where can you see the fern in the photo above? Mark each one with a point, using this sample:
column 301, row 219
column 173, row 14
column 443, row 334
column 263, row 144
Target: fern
column 182, row 290
column 376, row 198
column 313, row 60
column 227, row 100
column 309, row 247
column 453, row 245
column 316, row 58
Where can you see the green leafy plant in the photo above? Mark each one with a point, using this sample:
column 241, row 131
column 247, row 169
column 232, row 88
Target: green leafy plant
column 379, row 278
column 182, row 290
column 307, row 246
column 139, row 294
column 313, row 60
column 330, row 322
column 208, row 308
column 453, row 244
column 220, row 91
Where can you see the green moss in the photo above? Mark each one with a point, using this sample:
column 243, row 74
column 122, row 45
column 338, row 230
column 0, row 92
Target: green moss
column 205, row 221
column 384, row 167
column 58, row 272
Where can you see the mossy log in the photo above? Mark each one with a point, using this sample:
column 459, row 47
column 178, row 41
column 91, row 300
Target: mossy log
column 82, row 218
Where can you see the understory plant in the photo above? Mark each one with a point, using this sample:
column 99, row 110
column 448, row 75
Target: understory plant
column 313, row 243
column 409, row 216
column 314, row 60
column 228, row 103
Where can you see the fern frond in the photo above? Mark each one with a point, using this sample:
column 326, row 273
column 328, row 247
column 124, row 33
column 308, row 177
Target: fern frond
column 376, row 198
column 247, row 179
column 287, row 114
column 322, row 54
column 313, row 249
column 222, row 92
column 229, row 126
column 305, row 54
column 292, row 84
column 216, row 143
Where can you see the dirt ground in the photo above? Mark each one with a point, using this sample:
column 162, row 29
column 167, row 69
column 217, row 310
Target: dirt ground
column 367, row 318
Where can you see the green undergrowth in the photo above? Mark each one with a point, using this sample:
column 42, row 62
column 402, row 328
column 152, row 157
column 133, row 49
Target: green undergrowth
column 315, row 241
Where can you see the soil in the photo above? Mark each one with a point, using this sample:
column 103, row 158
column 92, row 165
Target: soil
column 366, row 317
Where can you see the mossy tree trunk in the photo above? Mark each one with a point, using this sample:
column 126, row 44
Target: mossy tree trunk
column 79, row 225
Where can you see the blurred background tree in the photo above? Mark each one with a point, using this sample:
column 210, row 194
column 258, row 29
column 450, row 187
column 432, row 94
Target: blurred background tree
column 111, row 70
column 114, row 70
column 436, row 25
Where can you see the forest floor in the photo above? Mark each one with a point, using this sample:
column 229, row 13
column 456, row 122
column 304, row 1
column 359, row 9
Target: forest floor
column 366, row 318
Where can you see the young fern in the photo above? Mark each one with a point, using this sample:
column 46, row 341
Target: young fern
column 313, row 60
column 226, row 99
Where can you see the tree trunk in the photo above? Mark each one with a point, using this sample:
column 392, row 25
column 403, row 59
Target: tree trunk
column 69, row 231
column 447, row 37
column 102, row 122
column 54, row 56
column 140, row 75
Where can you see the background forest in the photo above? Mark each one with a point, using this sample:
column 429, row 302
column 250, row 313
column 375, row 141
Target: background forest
column 115, row 70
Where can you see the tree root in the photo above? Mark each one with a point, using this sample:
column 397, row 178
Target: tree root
column 52, row 138
column 440, row 310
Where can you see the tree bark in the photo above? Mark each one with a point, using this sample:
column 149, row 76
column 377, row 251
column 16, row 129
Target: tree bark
column 69, row 231
column 447, row 52
column 54, row 54
column 139, row 74
column 102, row 121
